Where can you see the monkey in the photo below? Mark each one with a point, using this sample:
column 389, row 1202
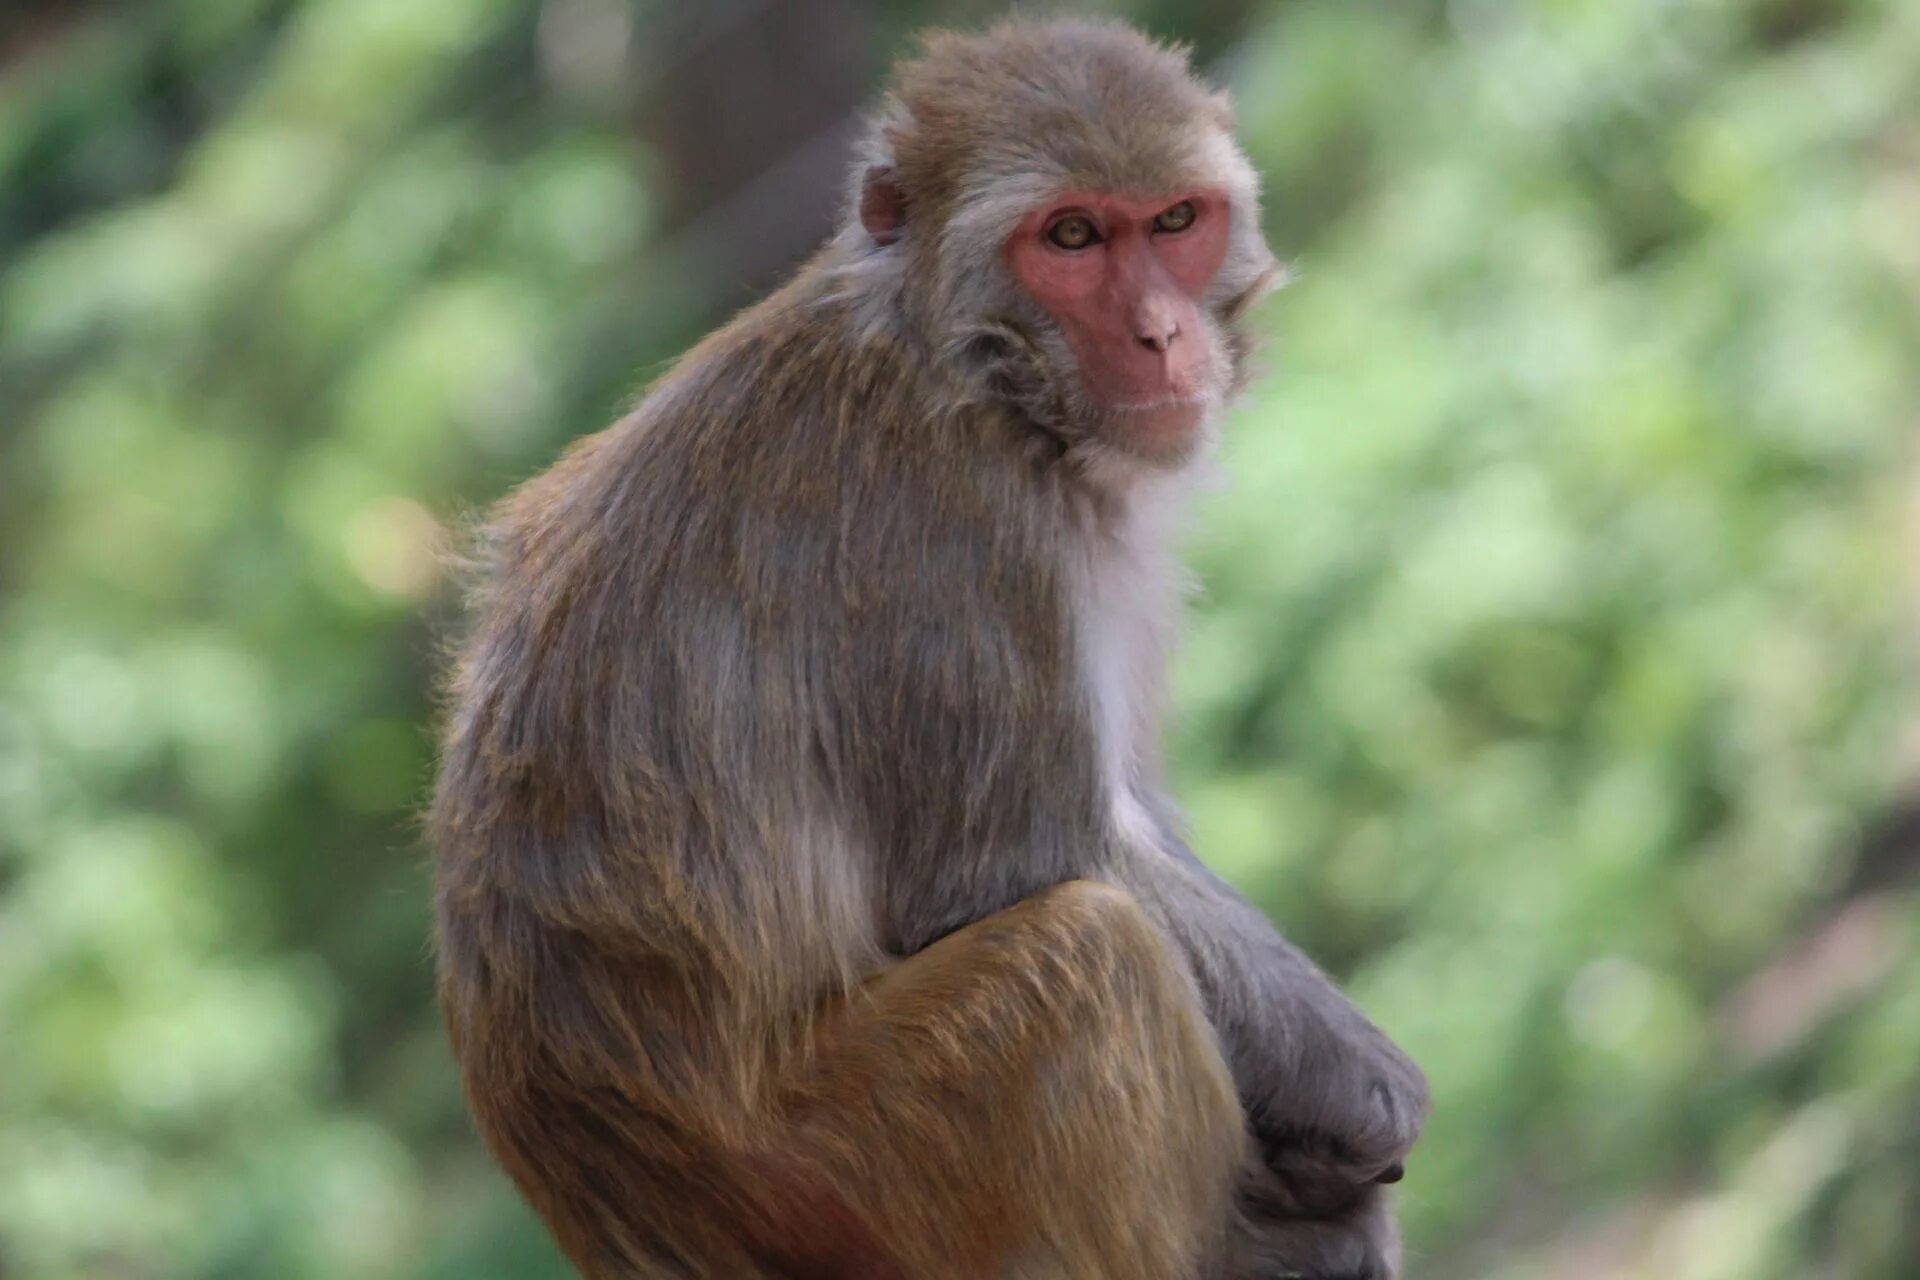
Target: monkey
column 809, row 897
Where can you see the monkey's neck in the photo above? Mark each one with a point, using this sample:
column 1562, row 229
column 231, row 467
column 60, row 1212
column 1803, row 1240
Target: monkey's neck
column 1127, row 590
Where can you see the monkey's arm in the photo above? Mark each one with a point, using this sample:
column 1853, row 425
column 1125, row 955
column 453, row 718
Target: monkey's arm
column 1334, row 1103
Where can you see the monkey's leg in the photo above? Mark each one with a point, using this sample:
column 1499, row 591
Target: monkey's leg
column 1036, row 1095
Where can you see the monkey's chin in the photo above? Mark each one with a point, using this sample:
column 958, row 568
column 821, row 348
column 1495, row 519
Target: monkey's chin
column 1162, row 431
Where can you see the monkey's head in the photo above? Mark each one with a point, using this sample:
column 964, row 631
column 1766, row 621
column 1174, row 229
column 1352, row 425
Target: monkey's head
column 1068, row 219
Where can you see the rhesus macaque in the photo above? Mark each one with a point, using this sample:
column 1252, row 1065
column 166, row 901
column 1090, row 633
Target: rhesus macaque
column 810, row 903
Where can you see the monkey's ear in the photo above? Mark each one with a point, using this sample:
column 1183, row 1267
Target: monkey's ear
column 883, row 211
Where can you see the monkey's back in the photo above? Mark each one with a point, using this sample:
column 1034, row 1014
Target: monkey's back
column 758, row 682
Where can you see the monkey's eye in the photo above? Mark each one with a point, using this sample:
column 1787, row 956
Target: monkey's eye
column 1178, row 218
column 1075, row 231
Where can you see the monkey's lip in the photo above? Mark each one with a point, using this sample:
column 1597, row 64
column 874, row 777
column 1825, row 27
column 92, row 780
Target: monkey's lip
column 1165, row 402
column 1171, row 415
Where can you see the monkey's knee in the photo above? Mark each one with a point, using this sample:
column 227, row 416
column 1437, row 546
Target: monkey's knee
column 1101, row 942
column 1101, row 921
column 1125, row 986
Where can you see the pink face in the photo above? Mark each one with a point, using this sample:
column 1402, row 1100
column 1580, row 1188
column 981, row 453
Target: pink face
column 1124, row 279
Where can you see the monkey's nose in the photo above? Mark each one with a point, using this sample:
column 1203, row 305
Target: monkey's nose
column 1158, row 337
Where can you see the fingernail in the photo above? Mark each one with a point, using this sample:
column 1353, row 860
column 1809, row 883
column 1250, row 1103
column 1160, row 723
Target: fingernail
column 1393, row 1173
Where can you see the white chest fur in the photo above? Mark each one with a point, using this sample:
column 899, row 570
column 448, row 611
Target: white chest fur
column 1129, row 590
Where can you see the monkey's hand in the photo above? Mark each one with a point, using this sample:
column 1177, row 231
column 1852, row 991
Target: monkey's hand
column 1356, row 1241
column 1342, row 1111
column 1334, row 1104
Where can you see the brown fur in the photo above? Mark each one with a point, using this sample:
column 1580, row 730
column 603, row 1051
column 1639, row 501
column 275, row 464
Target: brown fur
column 770, row 803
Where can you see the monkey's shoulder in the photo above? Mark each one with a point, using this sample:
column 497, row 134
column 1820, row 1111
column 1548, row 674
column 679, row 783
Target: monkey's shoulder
column 793, row 413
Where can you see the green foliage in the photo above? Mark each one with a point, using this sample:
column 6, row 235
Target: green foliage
column 1554, row 661
column 1549, row 681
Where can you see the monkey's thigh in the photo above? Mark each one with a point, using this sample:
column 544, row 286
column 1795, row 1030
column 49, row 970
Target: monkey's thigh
column 1036, row 1095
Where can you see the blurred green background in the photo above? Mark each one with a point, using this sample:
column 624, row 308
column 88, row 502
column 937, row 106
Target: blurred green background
column 1552, row 682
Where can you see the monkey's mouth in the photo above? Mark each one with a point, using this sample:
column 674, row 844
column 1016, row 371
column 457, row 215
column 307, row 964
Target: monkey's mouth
column 1160, row 423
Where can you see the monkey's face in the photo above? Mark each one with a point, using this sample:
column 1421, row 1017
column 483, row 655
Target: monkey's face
column 1125, row 280
column 1061, row 210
